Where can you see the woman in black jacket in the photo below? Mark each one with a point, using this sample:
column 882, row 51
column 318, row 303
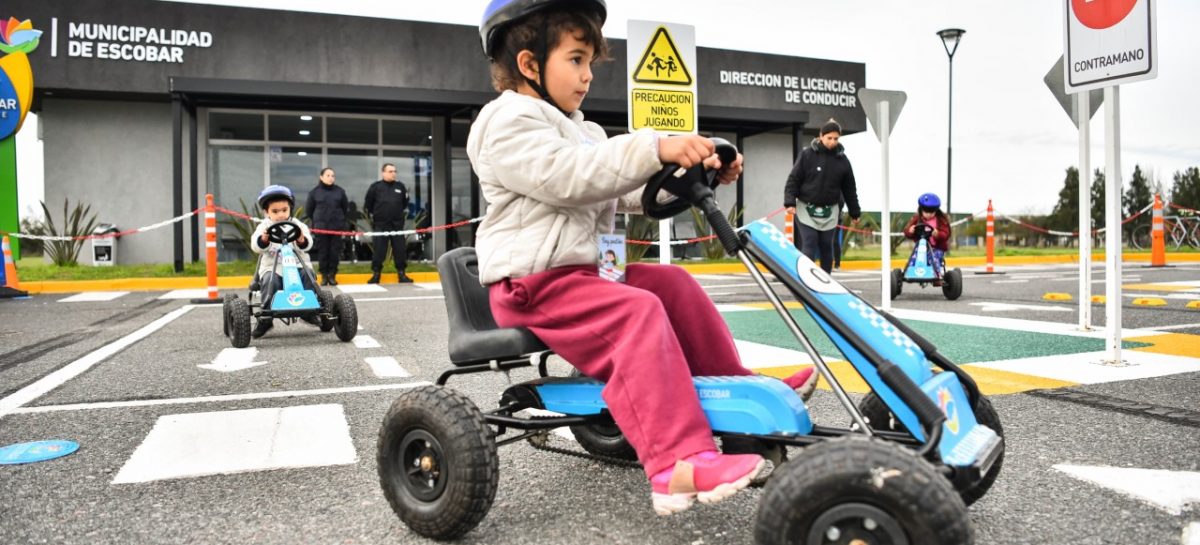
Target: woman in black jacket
column 820, row 181
column 327, row 208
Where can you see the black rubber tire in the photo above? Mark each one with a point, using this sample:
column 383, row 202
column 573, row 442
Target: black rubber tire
column 952, row 284
column 346, row 316
column 326, row 318
column 897, row 282
column 881, row 418
column 603, row 439
column 225, row 299
column 239, row 323
column 908, row 500
column 464, row 468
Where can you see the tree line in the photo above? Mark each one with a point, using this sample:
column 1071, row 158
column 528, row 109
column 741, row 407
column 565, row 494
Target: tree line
column 1139, row 192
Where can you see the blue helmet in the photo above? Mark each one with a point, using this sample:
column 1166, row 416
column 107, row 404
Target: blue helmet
column 272, row 191
column 929, row 200
column 501, row 13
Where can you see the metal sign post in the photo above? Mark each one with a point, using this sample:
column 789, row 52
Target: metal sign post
column 1108, row 43
column 883, row 109
column 1080, row 107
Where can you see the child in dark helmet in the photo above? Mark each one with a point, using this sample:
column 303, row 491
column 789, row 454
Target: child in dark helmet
column 277, row 202
column 930, row 218
column 555, row 184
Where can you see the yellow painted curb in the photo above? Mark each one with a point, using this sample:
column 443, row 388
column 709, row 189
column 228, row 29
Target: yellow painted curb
column 1150, row 302
column 189, row 282
column 1099, row 299
column 1057, row 296
column 1194, row 304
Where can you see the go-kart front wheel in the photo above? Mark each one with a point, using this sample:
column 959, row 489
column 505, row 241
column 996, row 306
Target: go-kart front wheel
column 326, row 318
column 437, row 462
column 860, row 490
column 880, row 418
column 346, row 316
column 225, row 299
column 952, row 285
column 239, row 322
column 897, row 282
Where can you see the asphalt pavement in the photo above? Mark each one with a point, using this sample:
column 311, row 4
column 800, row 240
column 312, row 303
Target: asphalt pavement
column 182, row 440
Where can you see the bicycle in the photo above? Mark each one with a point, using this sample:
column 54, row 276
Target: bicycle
column 1177, row 230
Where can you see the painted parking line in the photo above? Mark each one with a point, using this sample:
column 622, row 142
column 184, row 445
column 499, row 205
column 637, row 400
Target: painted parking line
column 387, row 367
column 1086, row 367
column 58, row 378
column 361, row 288
column 366, row 341
column 216, row 399
column 199, row 293
column 93, row 296
column 217, row 443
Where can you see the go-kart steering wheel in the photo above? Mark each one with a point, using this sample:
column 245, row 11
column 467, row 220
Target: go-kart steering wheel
column 284, row 232
column 925, row 231
column 691, row 185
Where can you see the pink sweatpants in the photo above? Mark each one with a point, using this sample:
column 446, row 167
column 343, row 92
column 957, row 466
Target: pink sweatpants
column 645, row 339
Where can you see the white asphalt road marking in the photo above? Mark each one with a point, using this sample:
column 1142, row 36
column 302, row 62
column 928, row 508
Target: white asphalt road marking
column 216, row 399
column 234, row 359
column 366, row 341
column 1085, row 367
column 1170, row 491
column 1179, row 326
column 417, row 298
column 1053, row 328
column 387, row 367
column 429, row 285
column 361, row 288
column 723, row 307
column 58, row 378
column 216, row 443
column 201, row 293
column 1010, row 281
column 759, row 356
column 1191, row 534
column 988, row 306
column 93, row 296
column 1163, row 295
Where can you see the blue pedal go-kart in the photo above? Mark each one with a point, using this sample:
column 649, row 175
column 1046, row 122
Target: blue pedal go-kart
column 920, row 447
column 925, row 268
column 292, row 301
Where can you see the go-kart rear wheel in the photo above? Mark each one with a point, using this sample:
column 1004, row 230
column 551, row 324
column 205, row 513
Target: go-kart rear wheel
column 860, row 490
column 881, row 418
column 603, row 439
column 346, row 315
column 326, row 318
column 952, row 284
column 437, row 462
column 897, row 282
column 239, row 323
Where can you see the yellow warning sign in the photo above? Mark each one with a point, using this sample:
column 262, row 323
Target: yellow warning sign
column 662, row 63
column 658, row 109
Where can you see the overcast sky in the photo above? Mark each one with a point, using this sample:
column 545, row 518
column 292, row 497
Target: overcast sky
column 1012, row 141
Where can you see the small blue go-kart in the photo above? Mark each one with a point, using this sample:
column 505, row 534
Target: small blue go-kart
column 925, row 268
column 921, row 445
column 292, row 301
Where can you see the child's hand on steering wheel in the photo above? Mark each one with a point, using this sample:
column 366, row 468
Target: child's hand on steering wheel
column 686, row 150
column 726, row 174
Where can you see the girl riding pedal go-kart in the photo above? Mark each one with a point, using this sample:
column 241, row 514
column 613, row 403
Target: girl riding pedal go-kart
column 930, row 229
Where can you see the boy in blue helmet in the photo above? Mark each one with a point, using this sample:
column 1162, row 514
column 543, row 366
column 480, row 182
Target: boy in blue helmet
column 555, row 184
column 277, row 203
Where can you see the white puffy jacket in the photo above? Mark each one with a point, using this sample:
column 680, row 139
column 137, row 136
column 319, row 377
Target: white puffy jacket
column 553, row 183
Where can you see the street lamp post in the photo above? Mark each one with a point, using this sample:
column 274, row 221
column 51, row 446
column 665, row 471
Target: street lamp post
column 950, row 38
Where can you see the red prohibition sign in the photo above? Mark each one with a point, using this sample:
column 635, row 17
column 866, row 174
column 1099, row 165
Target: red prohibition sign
column 1101, row 14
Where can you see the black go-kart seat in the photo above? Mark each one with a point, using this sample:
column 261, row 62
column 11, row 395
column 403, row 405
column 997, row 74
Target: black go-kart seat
column 474, row 336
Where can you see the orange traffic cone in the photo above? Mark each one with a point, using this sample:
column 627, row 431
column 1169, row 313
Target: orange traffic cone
column 1158, row 243
column 12, row 286
column 789, row 220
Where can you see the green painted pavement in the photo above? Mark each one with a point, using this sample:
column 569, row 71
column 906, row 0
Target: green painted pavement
column 959, row 343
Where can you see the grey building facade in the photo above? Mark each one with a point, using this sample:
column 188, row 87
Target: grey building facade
column 145, row 106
